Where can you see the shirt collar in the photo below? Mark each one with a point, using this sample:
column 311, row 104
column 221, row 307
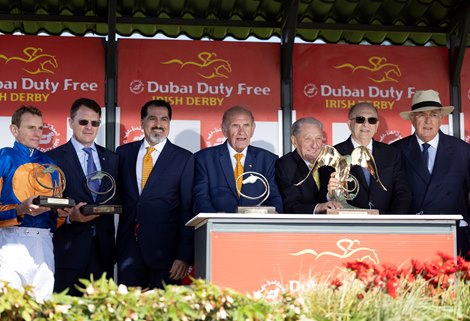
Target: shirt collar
column 24, row 149
column 356, row 144
column 232, row 151
column 79, row 146
column 158, row 147
column 433, row 142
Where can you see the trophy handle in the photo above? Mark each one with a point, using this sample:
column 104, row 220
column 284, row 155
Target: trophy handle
column 254, row 176
column 58, row 186
column 101, row 175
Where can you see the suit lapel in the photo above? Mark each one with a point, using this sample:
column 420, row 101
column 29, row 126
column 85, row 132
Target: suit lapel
column 414, row 159
column 301, row 171
column 162, row 164
column 134, row 151
column 226, row 166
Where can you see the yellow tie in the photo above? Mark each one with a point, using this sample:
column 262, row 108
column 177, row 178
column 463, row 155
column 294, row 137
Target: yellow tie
column 238, row 170
column 147, row 165
column 316, row 176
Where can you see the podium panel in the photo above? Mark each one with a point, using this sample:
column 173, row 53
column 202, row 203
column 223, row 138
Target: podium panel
column 270, row 253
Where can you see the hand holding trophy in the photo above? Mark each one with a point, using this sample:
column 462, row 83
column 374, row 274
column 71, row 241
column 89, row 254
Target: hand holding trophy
column 255, row 178
column 348, row 185
column 51, row 180
column 93, row 183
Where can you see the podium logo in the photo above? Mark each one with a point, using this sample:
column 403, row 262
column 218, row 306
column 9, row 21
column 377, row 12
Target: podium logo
column 346, row 252
column 33, row 61
column 271, row 290
column 206, row 65
column 378, row 69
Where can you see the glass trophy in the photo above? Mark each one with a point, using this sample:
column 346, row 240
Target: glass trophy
column 255, row 178
column 50, row 180
column 93, row 183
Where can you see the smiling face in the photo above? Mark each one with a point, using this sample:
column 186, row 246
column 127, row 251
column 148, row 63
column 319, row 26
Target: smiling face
column 156, row 125
column 308, row 141
column 426, row 124
column 362, row 133
column 238, row 129
column 82, row 125
column 29, row 131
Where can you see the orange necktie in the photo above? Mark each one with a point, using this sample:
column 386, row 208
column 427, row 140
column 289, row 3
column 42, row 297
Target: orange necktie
column 147, row 165
column 238, row 170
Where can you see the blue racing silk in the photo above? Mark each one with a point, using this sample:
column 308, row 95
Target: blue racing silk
column 19, row 180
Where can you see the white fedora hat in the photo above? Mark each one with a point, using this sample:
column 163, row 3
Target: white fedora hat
column 424, row 100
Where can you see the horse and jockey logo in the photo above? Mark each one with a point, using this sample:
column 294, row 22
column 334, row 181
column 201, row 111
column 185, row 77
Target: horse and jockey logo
column 33, row 61
column 378, row 70
column 207, row 65
column 347, row 252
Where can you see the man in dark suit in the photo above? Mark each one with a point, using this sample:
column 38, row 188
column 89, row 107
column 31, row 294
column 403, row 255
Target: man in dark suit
column 84, row 245
column 292, row 168
column 214, row 177
column 154, row 247
column 363, row 123
column 437, row 165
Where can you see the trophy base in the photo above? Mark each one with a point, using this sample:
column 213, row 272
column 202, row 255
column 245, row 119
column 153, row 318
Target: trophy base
column 100, row 209
column 340, row 211
column 53, row 202
column 256, row 209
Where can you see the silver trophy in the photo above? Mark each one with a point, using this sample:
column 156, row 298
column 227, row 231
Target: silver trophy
column 52, row 181
column 106, row 179
column 349, row 185
column 255, row 178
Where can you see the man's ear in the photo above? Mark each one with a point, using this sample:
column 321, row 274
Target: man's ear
column 293, row 141
column 14, row 130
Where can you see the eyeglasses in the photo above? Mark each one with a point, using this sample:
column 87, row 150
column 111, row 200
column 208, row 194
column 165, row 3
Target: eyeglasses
column 362, row 119
column 84, row 122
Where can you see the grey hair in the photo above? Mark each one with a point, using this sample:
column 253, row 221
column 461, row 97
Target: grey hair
column 306, row 120
column 235, row 110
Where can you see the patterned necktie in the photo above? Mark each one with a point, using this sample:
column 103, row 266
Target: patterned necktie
column 238, row 170
column 426, row 154
column 90, row 169
column 147, row 166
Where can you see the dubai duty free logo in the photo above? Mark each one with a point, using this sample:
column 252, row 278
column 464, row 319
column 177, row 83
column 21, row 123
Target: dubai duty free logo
column 207, row 65
column 32, row 60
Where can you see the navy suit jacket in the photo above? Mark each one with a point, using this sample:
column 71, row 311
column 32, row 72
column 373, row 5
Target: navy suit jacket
column 214, row 183
column 446, row 190
column 73, row 242
column 302, row 199
column 397, row 198
column 161, row 211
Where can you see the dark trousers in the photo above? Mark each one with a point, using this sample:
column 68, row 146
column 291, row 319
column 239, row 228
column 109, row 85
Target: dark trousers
column 67, row 278
column 133, row 271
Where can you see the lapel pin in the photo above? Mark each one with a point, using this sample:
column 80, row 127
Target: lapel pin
column 250, row 166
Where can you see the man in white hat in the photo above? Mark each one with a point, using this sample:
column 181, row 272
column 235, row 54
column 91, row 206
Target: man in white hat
column 437, row 165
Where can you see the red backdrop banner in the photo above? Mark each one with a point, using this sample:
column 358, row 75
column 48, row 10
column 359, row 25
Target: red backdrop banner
column 200, row 79
column 49, row 73
column 465, row 96
column 329, row 79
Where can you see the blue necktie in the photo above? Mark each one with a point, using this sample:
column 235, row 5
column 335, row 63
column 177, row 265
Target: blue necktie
column 366, row 175
column 90, row 169
column 426, row 155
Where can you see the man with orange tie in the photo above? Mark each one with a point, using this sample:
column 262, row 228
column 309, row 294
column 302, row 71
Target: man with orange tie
column 217, row 168
column 310, row 196
column 154, row 247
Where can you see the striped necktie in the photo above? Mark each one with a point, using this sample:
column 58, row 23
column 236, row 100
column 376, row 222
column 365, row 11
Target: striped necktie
column 238, row 171
column 147, row 165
